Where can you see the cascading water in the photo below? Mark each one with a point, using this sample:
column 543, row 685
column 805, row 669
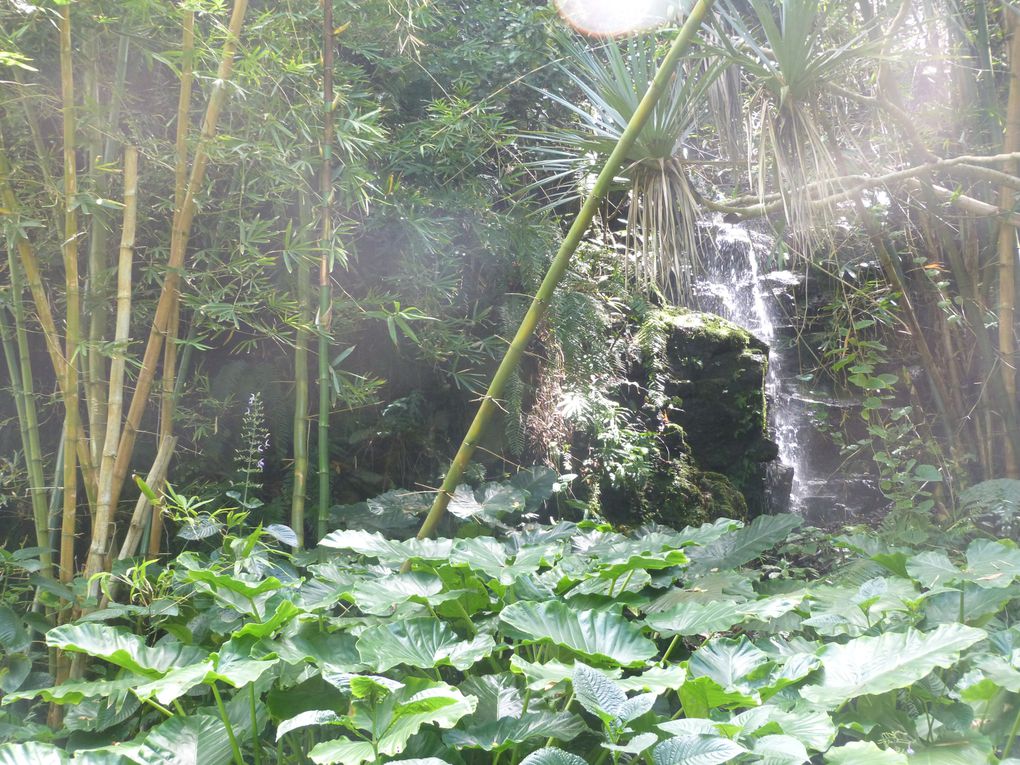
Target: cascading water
column 733, row 286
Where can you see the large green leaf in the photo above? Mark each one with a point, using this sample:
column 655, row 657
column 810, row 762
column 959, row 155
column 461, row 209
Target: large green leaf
column 739, row 547
column 342, row 751
column 780, row 750
column 382, row 596
column 32, row 753
column 597, row 693
column 192, row 740
column 118, row 646
column 76, row 692
column 863, row 753
column 693, row 618
column 497, row 735
column 552, row 756
column 698, row 749
column 13, row 635
column 387, row 550
column 595, row 634
column 732, row 663
column 871, row 665
column 423, row 643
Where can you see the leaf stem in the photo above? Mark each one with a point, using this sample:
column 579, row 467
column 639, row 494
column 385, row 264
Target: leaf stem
column 238, row 760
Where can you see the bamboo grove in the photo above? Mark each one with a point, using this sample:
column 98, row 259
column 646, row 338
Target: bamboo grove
column 100, row 333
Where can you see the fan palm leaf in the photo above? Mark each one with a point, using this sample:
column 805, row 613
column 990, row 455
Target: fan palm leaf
column 662, row 219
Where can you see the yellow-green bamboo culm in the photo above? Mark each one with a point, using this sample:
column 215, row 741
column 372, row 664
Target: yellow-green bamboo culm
column 24, row 393
column 540, row 303
column 323, row 320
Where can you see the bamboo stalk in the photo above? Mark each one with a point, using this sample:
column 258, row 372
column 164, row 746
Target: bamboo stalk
column 102, row 535
column 168, row 398
column 301, row 342
column 154, row 480
column 1006, row 245
column 559, row 265
column 96, row 302
column 71, row 337
column 28, row 416
column 181, row 229
column 43, row 312
column 323, row 319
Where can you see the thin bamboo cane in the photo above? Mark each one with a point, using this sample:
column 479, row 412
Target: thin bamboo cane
column 323, row 319
column 102, row 535
column 558, row 268
column 168, row 398
column 154, row 480
column 1007, row 245
column 71, row 337
column 101, row 151
column 30, row 441
column 41, row 303
column 180, row 232
column 301, row 342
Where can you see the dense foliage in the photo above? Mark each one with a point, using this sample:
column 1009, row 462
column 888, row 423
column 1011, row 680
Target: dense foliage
column 540, row 643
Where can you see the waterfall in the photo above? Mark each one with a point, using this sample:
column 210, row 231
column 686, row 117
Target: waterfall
column 734, row 286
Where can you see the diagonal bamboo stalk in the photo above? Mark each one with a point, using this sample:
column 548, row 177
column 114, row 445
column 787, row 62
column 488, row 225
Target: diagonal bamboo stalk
column 540, row 303
column 102, row 533
column 181, row 229
column 168, row 399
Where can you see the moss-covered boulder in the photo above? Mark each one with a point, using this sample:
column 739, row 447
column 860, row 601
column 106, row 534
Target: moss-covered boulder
column 698, row 384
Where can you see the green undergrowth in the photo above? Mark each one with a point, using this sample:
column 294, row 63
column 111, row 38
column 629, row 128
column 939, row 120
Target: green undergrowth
column 537, row 643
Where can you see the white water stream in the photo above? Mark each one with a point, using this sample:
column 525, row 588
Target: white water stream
column 734, row 287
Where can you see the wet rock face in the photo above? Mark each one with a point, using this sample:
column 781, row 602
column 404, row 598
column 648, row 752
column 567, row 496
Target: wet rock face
column 713, row 375
column 699, row 384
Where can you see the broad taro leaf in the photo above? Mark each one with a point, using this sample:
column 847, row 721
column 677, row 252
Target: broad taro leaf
column 872, row 665
column 933, row 568
column 423, row 643
column 595, row 634
column 979, row 604
column 537, row 483
column 498, row 696
column 693, row 618
column 14, row 670
column 388, row 550
column 285, row 611
column 403, row 713
column 305, row 719
column 550, row 755
column 992, row 564
column 597, row 693
column 342, row 751
column 542, row 677
column 235, row 666
column 497, row 735
column 744, row 545
column 656, row 680
column 735, row 664
column 187, row 741
column 76, row 692
column 174, row 683
column 700, row 695
column 697, row 749
column 636, row 745
column 812, row 728
column 863, row 753
column 780, row 750
column 13, row 635
column 118, row 646
column 489, row 504
column 382, row 596
column 32, row 752
column 282, row 533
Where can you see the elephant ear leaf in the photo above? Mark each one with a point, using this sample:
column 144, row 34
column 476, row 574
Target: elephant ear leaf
column 597, row 693
column 873, row 665
column 32, row 752
column 696, row 749
column 550, row 755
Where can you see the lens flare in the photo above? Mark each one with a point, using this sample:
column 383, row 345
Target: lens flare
column 618, row 17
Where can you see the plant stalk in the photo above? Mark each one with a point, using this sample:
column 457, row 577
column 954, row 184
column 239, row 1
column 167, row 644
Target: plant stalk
column 540, row 303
